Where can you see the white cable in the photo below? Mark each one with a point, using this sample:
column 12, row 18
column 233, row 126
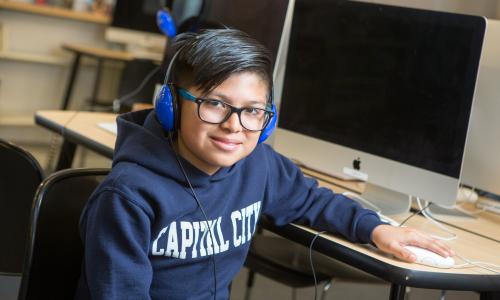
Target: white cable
column 367, row 202
column 375, row 207
column 480, row 264
column 390, row 220
column 438, row 224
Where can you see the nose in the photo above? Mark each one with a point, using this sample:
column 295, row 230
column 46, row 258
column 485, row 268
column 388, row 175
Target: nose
column 232, row 124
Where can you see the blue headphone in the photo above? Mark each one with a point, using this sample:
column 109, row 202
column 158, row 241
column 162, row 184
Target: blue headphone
column 166, row 23
column 167, row 111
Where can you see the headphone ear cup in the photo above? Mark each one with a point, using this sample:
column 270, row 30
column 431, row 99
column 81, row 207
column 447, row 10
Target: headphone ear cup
column 166, row 108
column 166, row 23
column 269, row 129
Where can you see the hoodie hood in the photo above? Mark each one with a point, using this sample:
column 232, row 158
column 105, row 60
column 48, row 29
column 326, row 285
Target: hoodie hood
column 142, row 140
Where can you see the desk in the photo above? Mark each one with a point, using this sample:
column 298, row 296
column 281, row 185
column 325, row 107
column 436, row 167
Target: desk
column 80, row 127
column 486, row 224
column 100, row 55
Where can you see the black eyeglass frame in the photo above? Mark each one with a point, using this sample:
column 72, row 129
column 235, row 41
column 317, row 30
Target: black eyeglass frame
column 190, row 97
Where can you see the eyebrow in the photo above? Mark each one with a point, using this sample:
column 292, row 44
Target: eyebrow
column 225, row 98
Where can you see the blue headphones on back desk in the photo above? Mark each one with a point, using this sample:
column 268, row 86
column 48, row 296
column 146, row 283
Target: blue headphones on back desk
column 166, row 23
column 167, row 110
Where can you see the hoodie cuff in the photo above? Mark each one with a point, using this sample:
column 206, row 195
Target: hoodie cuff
column 366, row 226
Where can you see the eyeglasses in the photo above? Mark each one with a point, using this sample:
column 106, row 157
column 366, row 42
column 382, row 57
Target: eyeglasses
column 216, row 112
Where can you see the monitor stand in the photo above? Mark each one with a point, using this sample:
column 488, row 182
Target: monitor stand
column 438, row 211
column 388, row 201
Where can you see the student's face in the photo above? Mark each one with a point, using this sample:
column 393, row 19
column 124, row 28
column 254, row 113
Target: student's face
column 211, row 146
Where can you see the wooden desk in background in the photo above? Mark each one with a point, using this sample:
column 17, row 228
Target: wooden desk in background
column 81, row 128
column 100, row 55
column 78, row 128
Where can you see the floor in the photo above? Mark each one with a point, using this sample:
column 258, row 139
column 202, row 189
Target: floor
column 263, row 288
column 268, row 289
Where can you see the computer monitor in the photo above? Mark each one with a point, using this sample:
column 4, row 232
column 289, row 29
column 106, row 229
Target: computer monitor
column 134, row 24
column 261, row 19
column 382, row 94
column 482, row 153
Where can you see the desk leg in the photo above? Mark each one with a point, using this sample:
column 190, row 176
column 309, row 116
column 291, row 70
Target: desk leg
column 97, row 80
column 490, row 295
column 397, row 292
column 71, row 82
column 66, row 155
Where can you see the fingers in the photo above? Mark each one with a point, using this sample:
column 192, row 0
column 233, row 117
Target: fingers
column 393, row 239
column 438, row 247
column 427, row 242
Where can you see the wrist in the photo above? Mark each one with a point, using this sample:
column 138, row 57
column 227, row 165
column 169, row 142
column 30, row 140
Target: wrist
column 377, row 232
column 366, row 226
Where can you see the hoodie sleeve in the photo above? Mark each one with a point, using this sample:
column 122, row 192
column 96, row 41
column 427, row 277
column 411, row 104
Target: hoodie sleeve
column 116, row 234
column 292, row 197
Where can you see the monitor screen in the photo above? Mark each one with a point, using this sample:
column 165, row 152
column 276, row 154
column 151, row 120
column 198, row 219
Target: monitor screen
column 394, row 82
column 381, row 94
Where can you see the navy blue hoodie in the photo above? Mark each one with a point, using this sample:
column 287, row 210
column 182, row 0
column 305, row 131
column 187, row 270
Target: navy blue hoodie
column 146, row 238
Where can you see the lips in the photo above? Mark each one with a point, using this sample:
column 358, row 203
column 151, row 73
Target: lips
column 226, row 144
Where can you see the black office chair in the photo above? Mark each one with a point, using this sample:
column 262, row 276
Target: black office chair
column 53, row 262
column 288, row 263
column 20, row 175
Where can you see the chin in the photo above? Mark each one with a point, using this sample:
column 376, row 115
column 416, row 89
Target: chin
column 224, row 161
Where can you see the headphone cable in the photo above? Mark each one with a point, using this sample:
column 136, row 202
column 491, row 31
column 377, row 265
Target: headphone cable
column 118, row 100
column 212, row 236
column 312, row 264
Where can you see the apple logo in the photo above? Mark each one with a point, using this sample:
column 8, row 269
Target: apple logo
column 356, row 164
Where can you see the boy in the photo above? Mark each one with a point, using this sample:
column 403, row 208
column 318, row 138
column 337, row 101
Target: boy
column 146, row 232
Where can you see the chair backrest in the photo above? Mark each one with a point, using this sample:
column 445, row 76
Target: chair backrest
column 20, row 175
column 53, row 262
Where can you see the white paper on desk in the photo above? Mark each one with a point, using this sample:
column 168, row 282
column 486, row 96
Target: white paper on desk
column 109, row 126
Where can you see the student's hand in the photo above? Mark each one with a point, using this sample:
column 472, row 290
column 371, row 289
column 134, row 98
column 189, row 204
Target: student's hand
column 392, row 240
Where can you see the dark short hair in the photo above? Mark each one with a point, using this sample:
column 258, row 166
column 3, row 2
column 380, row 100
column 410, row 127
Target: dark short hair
column 208, row 58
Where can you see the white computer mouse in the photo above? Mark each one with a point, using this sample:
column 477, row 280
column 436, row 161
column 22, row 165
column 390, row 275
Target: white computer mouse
column 431, row 259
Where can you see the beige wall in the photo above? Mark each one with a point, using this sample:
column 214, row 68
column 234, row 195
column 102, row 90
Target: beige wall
column 34, row 69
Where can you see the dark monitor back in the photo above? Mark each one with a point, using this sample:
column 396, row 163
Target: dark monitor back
column 261, row 19
column 139, row 15
column 390, row 81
